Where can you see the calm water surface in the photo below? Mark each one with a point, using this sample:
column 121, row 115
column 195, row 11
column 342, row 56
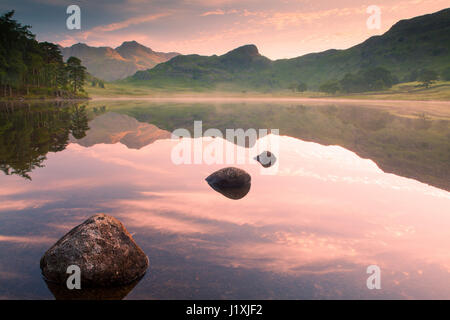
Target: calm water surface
column 354, row 187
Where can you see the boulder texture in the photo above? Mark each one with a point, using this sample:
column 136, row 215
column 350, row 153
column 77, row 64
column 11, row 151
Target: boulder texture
column 103, row 249
column 232, row 182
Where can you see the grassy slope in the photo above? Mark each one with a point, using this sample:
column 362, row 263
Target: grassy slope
column 403, row 91
column 421, row 42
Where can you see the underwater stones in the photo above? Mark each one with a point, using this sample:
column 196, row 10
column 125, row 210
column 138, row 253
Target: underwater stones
column 232, row 182
column 103, row 250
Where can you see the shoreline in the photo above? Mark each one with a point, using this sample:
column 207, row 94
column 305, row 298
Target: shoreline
column 224, row 98
column 45, row 100
column 439, row 108
column 206, row 98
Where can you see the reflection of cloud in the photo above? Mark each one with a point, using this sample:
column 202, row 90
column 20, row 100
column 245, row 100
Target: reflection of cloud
column 290, row 223
column 7, row 275
column 26, row 239
column 9, row 205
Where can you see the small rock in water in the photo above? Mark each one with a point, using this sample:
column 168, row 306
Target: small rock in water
column 266, row 158
column 232, row 182
column 103, row 250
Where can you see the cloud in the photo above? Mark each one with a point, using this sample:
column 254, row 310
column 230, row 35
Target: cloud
column 128, row 22
column 113, row 27
column 288, row 29
column 218, row 12
column 210, row 13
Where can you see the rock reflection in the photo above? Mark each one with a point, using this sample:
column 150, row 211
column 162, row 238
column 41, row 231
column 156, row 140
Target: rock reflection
column 102, row 293
column 234, row 193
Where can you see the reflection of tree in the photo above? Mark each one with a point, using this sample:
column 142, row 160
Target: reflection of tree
column 79, row 124
column 29, row 132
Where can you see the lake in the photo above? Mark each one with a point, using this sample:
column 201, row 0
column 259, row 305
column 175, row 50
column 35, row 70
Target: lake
column 355, row 185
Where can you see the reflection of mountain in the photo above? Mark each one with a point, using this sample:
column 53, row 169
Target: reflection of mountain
column 113, row 127
column 417, row 147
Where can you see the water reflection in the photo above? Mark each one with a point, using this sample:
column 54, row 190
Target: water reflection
column 234, row 193
column 110, row 293
column 415, row 145
column 309, row 231
column 112, row 127
column 29, row 131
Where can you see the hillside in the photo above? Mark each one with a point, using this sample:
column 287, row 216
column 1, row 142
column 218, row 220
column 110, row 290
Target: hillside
column 418, row 43
column 240, row 65
column 112, row 64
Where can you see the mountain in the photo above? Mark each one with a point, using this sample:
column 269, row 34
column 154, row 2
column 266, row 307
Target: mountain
column 409, row 45
column 112, row 64
column 238, row 65
column 111, row 128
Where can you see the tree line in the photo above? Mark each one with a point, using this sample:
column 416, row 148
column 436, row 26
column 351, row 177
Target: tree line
column 379, row 78
column 31, row 67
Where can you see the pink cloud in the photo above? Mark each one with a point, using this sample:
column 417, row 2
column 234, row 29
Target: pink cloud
column 284, row 31
column 218, row 12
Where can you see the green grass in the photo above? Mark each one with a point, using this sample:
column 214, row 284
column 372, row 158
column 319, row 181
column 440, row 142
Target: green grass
column 439, row 90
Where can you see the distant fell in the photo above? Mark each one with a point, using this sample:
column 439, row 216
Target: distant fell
column 419, row 43
column 112, row 64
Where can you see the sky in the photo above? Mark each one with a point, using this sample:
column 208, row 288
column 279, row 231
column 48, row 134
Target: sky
column 280, row 29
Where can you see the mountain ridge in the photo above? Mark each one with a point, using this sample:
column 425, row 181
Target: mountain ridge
column 419, row 42
column 117, row 63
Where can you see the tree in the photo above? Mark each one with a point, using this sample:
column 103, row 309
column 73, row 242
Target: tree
column 377, row 78
column 26, row 64
column 372, row 79
column 412, row 76
column 302, row 87
column 331, row 86
column 352, row 83
column 76, row 74
column 427, row 77
column 299, row 86
column 446, row 74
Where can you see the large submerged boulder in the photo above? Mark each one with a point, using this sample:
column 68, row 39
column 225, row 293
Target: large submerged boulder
column 103, row 250
column 232, row 182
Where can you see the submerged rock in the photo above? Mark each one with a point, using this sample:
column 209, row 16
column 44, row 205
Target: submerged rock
column 232, row 182
column 103, row 250
column 266, row 159
column 61, row 292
